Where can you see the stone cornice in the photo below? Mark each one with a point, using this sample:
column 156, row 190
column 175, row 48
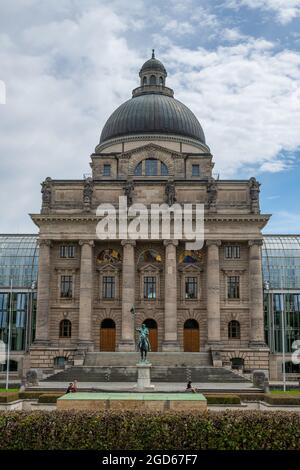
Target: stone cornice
column 148, row 137
column 258, row 242
column 92, row 217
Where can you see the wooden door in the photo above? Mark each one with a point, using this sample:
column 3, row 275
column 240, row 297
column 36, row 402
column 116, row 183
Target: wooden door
column 107, row 339
column 191, row 336
column 153, row 339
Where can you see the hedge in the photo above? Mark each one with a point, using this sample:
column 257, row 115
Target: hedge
column 49, row 397
column 7, row 397
column 282, row 399
column 223, row 399
column 229, row 430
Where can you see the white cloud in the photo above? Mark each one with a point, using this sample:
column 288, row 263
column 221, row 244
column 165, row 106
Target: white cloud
column 247, row 98
column 66, row 72
column 284, row 222
column 285, row 10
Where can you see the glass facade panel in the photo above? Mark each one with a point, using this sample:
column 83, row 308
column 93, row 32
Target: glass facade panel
column 281, row 273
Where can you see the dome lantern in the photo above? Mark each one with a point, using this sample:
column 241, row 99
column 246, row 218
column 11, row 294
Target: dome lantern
column 153, row 72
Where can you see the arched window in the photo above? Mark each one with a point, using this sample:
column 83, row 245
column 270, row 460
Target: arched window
column 151, row 167
column 13, row 366
column 234, row 330
column 108, row 256
column 153, row 80
column 145, row 81
column 60, row 362
column 65, row 329
column 237, row 362
column 150, row 256
column 291, row 368
column 161, row 81
column 108, row 323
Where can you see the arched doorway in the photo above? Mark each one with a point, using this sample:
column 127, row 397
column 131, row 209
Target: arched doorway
column 191, row 336
column 108, row 335
column 152, row 326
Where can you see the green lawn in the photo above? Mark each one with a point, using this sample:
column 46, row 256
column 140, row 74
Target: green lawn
column 288, row 392
column 10, row 390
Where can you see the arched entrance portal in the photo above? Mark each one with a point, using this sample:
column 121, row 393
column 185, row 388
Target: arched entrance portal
column 191, row 336
column 108, row 335
column 152, row 326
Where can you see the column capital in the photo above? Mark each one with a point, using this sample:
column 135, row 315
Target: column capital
column 257, row 242
column 128, row 242
column 171, row 242
column 86, row 242
column 213, row 242
column 44, row 242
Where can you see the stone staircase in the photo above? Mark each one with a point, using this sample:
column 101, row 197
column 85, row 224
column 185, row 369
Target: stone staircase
column 166, row 367
column 167, row 359
column 111, row 374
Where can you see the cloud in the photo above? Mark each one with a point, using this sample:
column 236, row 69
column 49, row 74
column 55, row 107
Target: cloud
column 289, row 220
column 246, row 96
column 63, row 78
column 285, row 10
column 67, row 67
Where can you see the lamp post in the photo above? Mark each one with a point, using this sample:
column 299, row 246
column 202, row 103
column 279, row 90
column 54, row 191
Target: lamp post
column 283, row 334
column 9, row 334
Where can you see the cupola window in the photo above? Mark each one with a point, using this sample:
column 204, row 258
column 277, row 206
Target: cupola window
column 151, row 167
column 153, row 80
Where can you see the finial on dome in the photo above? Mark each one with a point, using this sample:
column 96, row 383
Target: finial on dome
column 153, row 55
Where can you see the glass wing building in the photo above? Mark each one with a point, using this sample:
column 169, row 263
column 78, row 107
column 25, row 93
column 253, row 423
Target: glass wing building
column 18, row 280
column 281, row 273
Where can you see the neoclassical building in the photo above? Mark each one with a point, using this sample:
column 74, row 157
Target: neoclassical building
column 152, row 150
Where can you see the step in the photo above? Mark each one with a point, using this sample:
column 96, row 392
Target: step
column 158, row 374
column 174, row 359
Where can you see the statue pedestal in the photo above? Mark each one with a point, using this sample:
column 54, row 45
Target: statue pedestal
column 143, row 381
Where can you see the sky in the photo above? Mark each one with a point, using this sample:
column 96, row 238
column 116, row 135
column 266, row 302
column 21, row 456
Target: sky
column 67, row 64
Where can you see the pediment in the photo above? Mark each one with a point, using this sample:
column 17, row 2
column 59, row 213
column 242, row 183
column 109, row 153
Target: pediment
column 148, row 148
column 149, row 267
column 108, row 267
column 190, row 268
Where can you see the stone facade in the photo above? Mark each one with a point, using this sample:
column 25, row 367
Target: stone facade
column 232, row 221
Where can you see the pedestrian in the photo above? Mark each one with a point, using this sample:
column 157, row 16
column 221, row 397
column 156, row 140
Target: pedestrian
column 70, row 387
column 189, row 387
column 74, row 389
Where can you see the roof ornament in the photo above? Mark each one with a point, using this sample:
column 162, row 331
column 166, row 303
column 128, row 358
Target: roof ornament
column 153, row 55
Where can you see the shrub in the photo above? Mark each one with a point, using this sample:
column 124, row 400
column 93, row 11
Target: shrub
column 252, row 396
column 282, row 399
column 49, row 397
column 223, row 399
column 7, row 397
column 29, row 395
column 67, row 430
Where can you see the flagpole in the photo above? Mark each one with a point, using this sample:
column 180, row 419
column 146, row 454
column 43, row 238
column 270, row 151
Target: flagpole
column 9, row 334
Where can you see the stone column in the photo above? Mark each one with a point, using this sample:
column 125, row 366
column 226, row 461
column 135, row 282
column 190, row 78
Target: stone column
column 86, row 294
column 170, row 342
column 43, row 294
column 256, row 294
column 213, row 292
column 128, row 296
